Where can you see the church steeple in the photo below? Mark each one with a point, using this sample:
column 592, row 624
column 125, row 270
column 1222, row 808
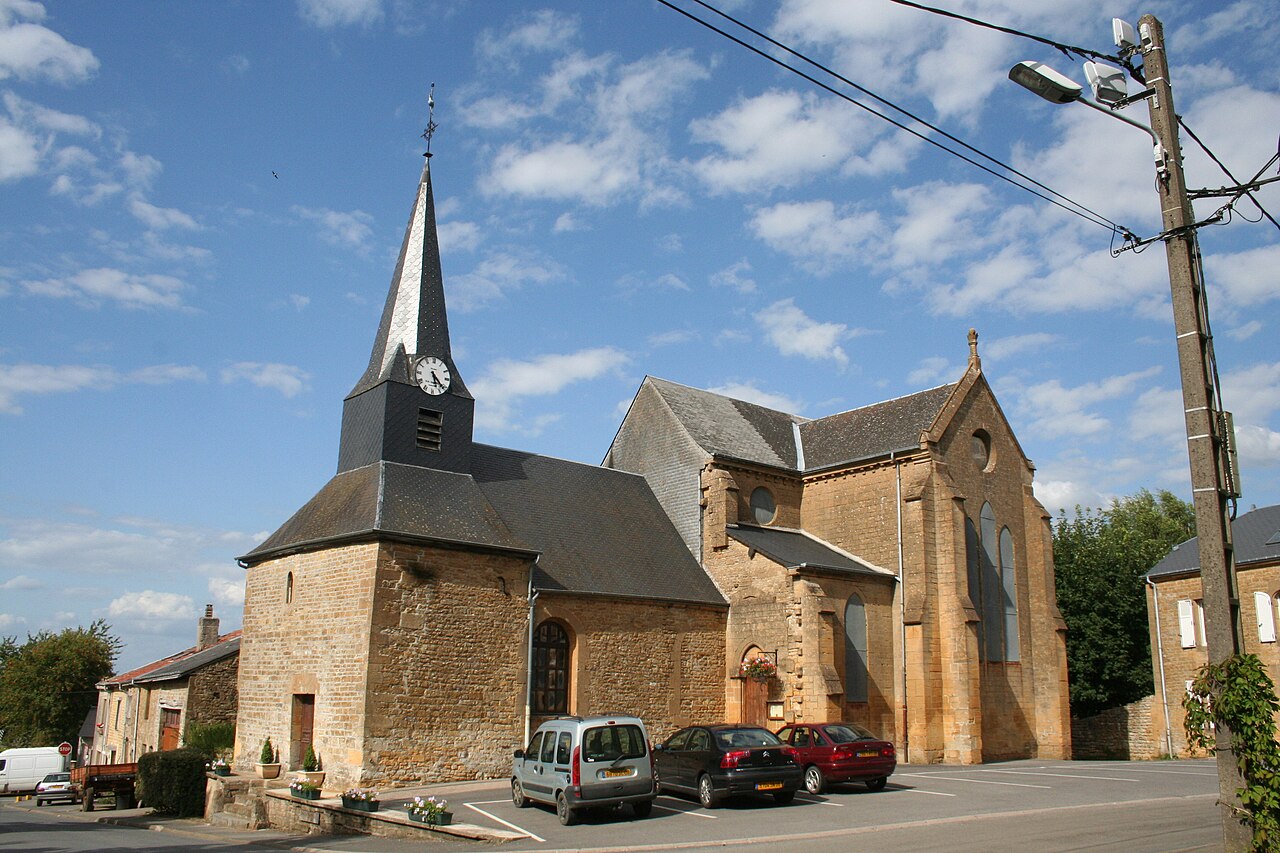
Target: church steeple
column 411, row 405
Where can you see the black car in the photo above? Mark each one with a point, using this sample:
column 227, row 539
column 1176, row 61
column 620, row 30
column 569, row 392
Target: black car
column 715, row 762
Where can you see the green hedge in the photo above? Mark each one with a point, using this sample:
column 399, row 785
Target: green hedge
column 173, row 782
column 212, row 739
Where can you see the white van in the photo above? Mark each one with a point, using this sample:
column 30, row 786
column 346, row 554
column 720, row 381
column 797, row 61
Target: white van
column 22, row 769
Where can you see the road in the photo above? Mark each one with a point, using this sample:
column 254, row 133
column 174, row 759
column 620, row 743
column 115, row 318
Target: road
column 1136, row 807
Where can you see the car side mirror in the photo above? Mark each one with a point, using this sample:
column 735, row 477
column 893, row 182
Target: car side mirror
column 519, row 753
column 659, row 747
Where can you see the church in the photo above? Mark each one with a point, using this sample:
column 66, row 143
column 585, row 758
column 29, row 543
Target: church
column 439, row 597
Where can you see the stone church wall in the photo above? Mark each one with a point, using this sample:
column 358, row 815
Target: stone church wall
column 1128, row 732
column 211, row 692
column 661, row 661
column 313, row 641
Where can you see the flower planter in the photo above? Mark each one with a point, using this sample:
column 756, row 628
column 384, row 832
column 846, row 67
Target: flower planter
column 306, row 795
column 268, row 771
column 440, row 819
column 315, row 777
column 222, row 771
column 360, row 805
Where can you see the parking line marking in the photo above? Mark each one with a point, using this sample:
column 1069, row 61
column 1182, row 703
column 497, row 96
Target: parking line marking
column 505, row 823
column 683, row 811
column 820, row 802
column 955, row 778
column 907, row 790
column 1061, row 775
column 1175, row 772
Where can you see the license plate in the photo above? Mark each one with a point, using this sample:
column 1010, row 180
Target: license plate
column 768, row 786
column 868, row 754
column 612, row 774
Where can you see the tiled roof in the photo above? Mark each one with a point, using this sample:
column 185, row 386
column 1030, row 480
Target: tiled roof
column 1255, row 536
column 178, row 665
column 736, row 429
column 797, row 549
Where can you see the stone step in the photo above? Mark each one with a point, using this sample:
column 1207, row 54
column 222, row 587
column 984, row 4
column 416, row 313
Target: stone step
column 240, row 809
column 228, row 820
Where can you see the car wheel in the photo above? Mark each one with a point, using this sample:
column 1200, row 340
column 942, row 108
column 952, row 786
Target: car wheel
column 39, row 802
column 517, row 795
column 566, row 814
column 813, row 779
column 643, row 808
column 784, row 798
column 877, row 784
column 707, row 792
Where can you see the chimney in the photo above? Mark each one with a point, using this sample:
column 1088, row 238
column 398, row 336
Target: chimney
column 208, row 635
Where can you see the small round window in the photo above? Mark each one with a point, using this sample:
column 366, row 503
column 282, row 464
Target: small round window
column 981, row 449
column 763, row 509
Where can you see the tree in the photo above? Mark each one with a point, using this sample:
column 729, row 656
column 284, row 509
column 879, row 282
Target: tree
column 1100, row 559
column 49, row 683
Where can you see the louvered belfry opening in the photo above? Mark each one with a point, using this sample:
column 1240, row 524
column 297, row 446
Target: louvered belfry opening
column 430, row 427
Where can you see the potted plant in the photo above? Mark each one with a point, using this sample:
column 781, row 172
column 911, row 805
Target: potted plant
column 268, row 761
column 360, row 799
column 430, row 810
column 304, row 790
column 220, row 767
column 312, row 769
column 759, row 668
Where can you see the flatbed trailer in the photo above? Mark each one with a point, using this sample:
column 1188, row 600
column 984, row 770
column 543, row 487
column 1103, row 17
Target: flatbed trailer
column 96, row 779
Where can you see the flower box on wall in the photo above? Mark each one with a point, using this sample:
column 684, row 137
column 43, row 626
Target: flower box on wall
column 360, row 805
column 439, row 819
column 306, row 794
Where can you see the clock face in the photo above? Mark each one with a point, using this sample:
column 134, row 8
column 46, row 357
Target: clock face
column 432, row 375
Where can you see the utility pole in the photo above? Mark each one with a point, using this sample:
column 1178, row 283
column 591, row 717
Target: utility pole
column 1206, row 434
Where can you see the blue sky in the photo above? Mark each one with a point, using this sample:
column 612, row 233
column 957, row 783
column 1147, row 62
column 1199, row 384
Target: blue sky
column 202, row 204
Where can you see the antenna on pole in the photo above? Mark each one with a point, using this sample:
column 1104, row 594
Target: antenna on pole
column 431, row 122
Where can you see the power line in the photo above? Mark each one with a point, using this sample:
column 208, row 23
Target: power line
column 1078, row 209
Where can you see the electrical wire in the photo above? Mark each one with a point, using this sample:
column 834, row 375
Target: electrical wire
column 1078, row 209
column 1227, row 171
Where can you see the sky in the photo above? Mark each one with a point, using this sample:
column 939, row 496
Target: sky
column 201, row 206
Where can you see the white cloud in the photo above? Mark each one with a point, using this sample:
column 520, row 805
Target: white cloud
column 160, row 218
column 298, row 301
column 340, row 228
column 1052, row 410
column 95, row 286
column 25, row 379
column 1011, row 345
column 150, row 604
column 21, row 582
column 543, row 31
column 458, row 236
column 9, row 621
column 30, row 51
column 751, row 394
column 507, row 381
column 735, row 276
column 567, row 222
column 497, row 275
column 19, row 152
column 328, row 14
column 227, row 591
column 793, row 332
column 287, row 379
column 816, row 235
column 592, row 172
column 931, row 369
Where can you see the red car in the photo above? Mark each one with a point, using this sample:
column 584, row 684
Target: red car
column 840, row 752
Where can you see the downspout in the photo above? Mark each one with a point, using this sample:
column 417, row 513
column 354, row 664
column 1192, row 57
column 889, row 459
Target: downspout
column 133, row 746
column 528, row 670
column 902, row 601
column 1164, row 692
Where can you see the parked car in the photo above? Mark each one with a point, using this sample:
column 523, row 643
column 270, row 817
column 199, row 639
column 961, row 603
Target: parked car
column 56, row 786
column 716, row 762
column 576, row 763
column 840, row 752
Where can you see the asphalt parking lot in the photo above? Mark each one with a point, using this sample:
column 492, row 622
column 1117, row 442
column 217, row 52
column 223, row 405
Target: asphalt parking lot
column 1109, row 805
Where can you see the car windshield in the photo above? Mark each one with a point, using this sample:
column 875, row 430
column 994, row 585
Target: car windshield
column 611, row 743
column 848, row 733
column 746, row 738
column 58, row 777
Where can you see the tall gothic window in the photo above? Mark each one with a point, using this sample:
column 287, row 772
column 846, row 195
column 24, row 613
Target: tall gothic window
column 855, row 650
column 993, row 588
column 550, row 669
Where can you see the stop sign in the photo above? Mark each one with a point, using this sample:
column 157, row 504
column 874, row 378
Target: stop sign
column 64, row 748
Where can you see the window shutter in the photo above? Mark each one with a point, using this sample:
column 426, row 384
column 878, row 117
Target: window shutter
column 1186, row 623
column 1266, row 618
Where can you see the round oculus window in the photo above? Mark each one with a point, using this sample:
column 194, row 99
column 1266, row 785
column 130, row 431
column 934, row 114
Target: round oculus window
column 763, row 509
column 981, row 449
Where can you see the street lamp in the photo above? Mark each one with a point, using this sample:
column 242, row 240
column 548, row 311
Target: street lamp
column 1214, row 479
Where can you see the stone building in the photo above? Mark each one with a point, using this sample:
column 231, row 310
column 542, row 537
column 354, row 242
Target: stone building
column 1175, row 615
column 148, row 708
column 892, row 560
column 439, row 596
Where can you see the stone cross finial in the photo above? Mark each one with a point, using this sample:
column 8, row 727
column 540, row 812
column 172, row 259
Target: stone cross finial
column 973, row 349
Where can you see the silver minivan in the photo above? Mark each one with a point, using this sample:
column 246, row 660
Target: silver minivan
column 576, row 763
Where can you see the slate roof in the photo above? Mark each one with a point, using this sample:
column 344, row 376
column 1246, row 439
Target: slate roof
column 599, row 530
column 178, row 665
column 596, row 530
column 797, row 549
column 1255, row 535
column 730, row 428
column 388, row 497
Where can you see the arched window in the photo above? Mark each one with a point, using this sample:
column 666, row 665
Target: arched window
column 1012, row 646
column 992, row 608
column 855, row 650
column 550, row 669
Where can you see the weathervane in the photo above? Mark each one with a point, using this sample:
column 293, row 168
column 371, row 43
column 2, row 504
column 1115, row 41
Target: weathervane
column 431, row 122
